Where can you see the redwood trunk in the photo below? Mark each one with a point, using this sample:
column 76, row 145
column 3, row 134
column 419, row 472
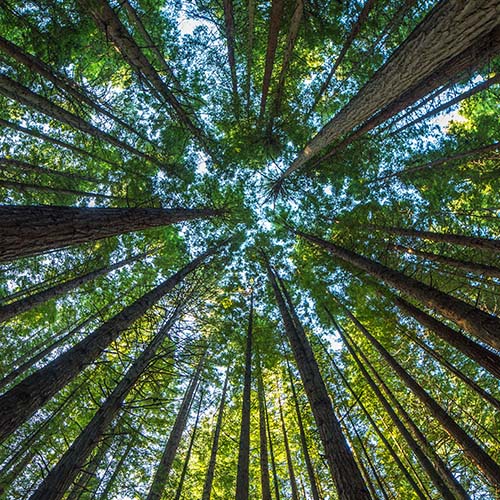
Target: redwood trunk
column 289, row 462
column 229, row 27
column 264, row 459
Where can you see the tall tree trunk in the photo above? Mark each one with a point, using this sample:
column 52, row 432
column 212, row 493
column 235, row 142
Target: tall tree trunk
column 449, row 29
column 180, row 486
column 242, row 478
column 478, row 323
column 272, row 43
column 119, row 465
column 303, row 439
column 481, row 355
column 23, row 95
column 470, row 448
column 437, row 471
column 291, row 471
column 229, row 29
column 61, row 82
column 470, row 267
column 207, row 487
column 251, row 27
column 167, row 459
column 343, row 467
column 20, row 306
column 29, row 230
column 271, row 456
column 264, row 461
column 18, row 404
column 56, row 483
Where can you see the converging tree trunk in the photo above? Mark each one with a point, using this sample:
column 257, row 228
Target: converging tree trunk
column 289, row 462
column 229, row 29
column 29, row 230
column 264, row 461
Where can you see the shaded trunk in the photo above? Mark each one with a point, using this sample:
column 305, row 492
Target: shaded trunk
column 470, row 448
column 264, row 459
column 119, row 465
column 18, row 404
column 30, row 230
column 343, row 467
column 207, row 487
column 448, row 30
column 167, row 459
column 242, row 478
column 229, row 28
column 271, row 456
column 291, row 471
column 272, row 43
column 478, row 323
column 23, row 95
column 251, row 25
column 481, row 355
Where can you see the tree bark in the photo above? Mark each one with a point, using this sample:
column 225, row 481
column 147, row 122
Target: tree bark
column 119, row 465
column 449, row 29
column 271, row 456
column 207, row 487
column 242, row 478
column 470, row 448
column 343, row 467
column 289, row 462
column 30, row 230
column 478, row 323
column 251, row 27
column 264, row 459
column 163, row 469
column 229, row 29
column 19, row 403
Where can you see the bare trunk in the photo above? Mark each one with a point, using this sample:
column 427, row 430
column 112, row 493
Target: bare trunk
column 119, row 465
column 291, row 471
column 18, row 404
column 251, row 27
column 480, row 324
column 271, row 456
column 242, row 478
column 30, row 230
column 264, row 459
column 229, row 27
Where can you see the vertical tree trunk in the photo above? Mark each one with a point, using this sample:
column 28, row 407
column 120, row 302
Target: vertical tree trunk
column 251, row 27
column 291, row 471
column 167, row 459
column 18, row 404
column 264, row 462
column 343, row 467
column 119, row 465
column 271, row 456
column 471, row 449
column 242, row 478
column 207, row 487
column 29, row 230
column 478, row 323
column 229, row 28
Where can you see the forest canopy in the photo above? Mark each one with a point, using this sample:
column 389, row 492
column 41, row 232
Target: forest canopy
column 249, row 249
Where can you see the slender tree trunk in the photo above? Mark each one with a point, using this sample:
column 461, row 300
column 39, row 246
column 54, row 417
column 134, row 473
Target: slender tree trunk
column 229, row 28
column 207, row 487
column 449, row 29
column 23, row 95
column 464, row 95
column 343, row 467
column 242, row 478
column 26, row 304
column 119, row 465
column 303, row 439
column 271, row 456
column 264, row 459
column 291, row 471
column 470, row 267
column 471, row 449
column 189, row 450
column 167, row 459
column 18, row 404
column 29, row 230
column 478, row 323
column 251, row 27
column 272, row 43
column 481, row 355
column 437, row 471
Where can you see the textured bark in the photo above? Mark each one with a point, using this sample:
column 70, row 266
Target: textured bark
column 481, row 355
column 23, row 95
column 272, row 43
column 264, row 459
column 343, row 468
column 20, row 306
column 109, row 23
column 289, row 462
column 478, row 323
column 207, row 487
column 18, row 404
column 251, row 27
column 449, row 29
column 167, row 459
column 29, row 230
column 470, row 267
column 464, row 95
column 470, row 448
column 355, row 29
column 303, row 439
column 242, row 477
column 229, row 28
column 437, row 471
column 61, row 82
